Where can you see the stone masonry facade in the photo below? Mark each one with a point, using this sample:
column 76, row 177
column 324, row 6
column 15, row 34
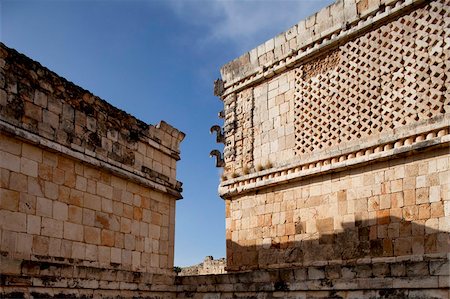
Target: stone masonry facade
column 331, row 172
column 87, row 192
column 336, row 170
column 336, row 154
column 208, row 266
column 285, row 104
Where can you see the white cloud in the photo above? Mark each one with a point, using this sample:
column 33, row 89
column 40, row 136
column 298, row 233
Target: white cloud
column 244, row 23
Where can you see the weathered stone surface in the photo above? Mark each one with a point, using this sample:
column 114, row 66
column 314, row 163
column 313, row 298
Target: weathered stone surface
column 336, row 170
column 208, row 266
column 69, row 163
column 326, row 158
column 282, row 284
column 64, row 115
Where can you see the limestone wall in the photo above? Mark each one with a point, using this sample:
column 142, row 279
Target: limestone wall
column 375, row 75
column 372, row 278
column 87, row 192
column 336, row 138
column 208, row 266
column 56, row 207
column 390, row 209
column 36, row 100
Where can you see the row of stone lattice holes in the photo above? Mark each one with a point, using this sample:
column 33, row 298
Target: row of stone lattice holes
column 382, row 80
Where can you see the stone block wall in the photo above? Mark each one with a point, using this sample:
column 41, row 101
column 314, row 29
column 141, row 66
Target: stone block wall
column 336, row 170
column 38, row 101
column 373, row 278
column 393, row 208
column 370, row 77
column 87, row 192
column 59, row 207
column 208, row 266
column 337, row 137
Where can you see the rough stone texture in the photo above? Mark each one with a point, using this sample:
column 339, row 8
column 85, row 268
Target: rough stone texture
column 336, row 154
column 334, row 23
column 209, row 266
column 336, row 176
column 40, row 102
column 45, row 279
column 322, row 281
column 87, row 192
column 370, row 211
column 367, row 90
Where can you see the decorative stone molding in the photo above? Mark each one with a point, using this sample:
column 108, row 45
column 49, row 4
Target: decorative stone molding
column 426, row 279
column 365, row 154
column 337, row 137
column 38, row 101
column 354, row 18
column 151, row 180
column 219, row 158
column 87, row 191
column 219, row 134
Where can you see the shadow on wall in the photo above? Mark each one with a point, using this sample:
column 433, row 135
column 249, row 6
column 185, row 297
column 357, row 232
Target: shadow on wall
column 373, row 238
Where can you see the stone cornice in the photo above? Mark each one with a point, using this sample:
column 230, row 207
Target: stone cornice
column 405, row 142
column 327, row 39
column 91, row 158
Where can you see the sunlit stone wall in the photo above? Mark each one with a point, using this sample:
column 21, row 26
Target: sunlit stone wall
column 87, row 192
column 336, row 139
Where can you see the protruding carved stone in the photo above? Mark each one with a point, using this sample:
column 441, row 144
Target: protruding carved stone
column 222, row 114
column 220, row 137
column 218, row 87
column 219, row 160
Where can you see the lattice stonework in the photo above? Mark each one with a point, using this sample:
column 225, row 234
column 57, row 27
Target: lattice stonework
column 384, row 79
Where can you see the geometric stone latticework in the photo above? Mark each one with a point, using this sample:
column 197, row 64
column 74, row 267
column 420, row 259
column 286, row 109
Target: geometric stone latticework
column 84, row 188
column 355, row 125
column 387, row 78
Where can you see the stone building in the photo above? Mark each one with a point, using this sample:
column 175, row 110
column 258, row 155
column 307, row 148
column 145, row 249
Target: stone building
column 336, row 170
column 208, row 266
column 87, row 192
column 336, row 153
column 336, row 138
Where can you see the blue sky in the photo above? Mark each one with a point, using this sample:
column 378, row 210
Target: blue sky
column 157, row 60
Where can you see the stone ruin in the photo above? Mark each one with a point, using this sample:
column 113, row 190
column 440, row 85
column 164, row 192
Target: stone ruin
column 336, row 170
column 208, row 266
column 88, row 192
